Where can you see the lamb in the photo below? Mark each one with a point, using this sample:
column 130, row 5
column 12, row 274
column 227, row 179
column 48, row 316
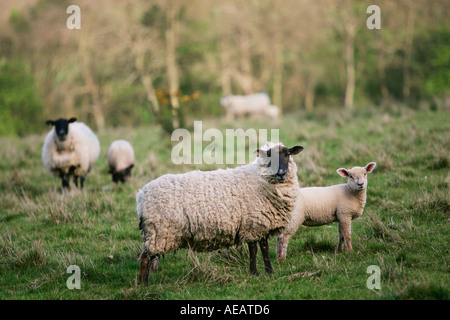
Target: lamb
column 209, row 210
column 254, row 105
column 318, row 206
column 70, row 149
column 120, row 160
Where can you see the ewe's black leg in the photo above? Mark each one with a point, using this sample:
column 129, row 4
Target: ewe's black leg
column 75, row 181
column 253, row 249
column 144, row 267
column 264, row 245
column 82, row 182
column 154, row 260
column 64, row 181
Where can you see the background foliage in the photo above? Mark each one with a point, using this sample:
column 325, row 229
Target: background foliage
column 145, row 62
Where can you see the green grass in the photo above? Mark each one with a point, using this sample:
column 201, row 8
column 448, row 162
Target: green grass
column 404, row 229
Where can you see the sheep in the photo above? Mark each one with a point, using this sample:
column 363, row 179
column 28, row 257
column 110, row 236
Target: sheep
column 120, row 160
column 319, row 206
column 70, row 149
column 209, row 210
column 254, row 105
column 272, row 112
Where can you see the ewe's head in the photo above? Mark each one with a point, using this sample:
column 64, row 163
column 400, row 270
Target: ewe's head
column 357, row 176
column 61, row 127
column 274, row 159
column 225, row 100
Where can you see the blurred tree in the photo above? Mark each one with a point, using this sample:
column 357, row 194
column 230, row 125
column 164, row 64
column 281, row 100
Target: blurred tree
column 20, row 103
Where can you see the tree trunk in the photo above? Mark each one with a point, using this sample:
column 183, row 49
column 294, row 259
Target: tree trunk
column 92, row 87
column 245, row 61
column 146, row 79
column 350, row 65
column 380, row 66
column 225, row 73
column 278, row 78
column 172, row 69
column 310, row 94
column 408, row 47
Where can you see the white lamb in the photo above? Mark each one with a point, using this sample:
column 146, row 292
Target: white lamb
column 120, row 160
column 70, row 149
column 318, row 206
column 209, row 210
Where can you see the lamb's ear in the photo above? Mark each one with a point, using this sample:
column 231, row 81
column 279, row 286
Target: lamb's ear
column 295, row 150
column 370, row 166
column 342, row 172
column 72, row 120
column 50, row 123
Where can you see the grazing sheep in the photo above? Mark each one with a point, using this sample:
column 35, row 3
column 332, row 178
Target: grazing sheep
column 254, row 105
column 120, row 160
column 70, row 149
column 318, row 206
column 272, row 112
column 209, row 210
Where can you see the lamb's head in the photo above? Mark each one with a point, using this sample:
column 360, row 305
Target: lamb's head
column 357, row 176
column 61, row 127
column 274, row 160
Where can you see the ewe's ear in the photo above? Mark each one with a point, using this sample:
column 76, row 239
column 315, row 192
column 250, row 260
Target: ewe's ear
column 72, row 120
column 50, row 123
column 295, row 150
column 342, row 172
column 370, row 166
column 262, row 153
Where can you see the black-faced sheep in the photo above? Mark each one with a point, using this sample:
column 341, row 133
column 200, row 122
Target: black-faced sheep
column 70, row 149
column 120, row 160
column 209, row 210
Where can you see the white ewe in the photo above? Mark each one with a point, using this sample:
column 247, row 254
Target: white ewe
column 209, row 210
column 70, row 149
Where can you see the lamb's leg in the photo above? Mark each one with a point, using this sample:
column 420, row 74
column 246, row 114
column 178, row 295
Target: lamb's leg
column 253, row 249
column 345, row 235
column 282, row 244
column 264, row 245
column 144, row 267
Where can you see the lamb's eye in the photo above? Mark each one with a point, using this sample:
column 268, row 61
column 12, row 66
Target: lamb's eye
column 365, row 174
column 351, row 177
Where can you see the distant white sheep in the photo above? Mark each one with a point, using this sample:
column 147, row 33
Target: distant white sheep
column 254, row 105
column 209, row 210
column 120, row 160
column 70, row 149
column 272, row 112
column 318, row 206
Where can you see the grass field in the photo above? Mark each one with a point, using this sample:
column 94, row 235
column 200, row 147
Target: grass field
column 404, row 229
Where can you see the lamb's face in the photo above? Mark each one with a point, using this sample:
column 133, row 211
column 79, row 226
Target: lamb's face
column 357, row 176
column 61, row 127
column 276, row 161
